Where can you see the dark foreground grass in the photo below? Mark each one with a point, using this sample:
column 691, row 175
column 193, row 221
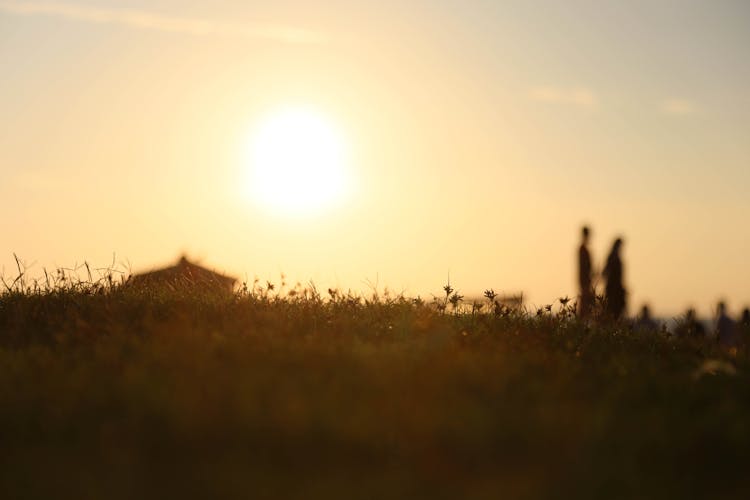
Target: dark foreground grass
column 116, row 393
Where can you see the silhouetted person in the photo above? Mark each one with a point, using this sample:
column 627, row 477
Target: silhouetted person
column 586, row 301
column 690, row 327
column 645, row 322
column 745, row 319
column 745, row 327
column 726, row 332
column 614, row 290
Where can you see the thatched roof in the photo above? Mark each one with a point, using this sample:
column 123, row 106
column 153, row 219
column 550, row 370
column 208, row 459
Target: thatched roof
column 185, row 274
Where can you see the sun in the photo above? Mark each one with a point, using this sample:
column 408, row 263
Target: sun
column 298, row 163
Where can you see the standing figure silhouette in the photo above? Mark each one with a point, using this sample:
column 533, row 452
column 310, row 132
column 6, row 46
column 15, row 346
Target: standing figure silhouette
column 725, row 328
column 645, row 322
column 586, row 297
column 690, row 327
column 744, row 327
column 745, row 318
column 614, row 290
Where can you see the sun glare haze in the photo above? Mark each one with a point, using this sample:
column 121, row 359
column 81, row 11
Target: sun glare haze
column 298, row 163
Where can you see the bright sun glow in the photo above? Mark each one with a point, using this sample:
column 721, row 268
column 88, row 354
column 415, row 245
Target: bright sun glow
column 298, row 164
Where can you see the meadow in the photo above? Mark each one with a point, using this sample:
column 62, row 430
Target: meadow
column 111, row 391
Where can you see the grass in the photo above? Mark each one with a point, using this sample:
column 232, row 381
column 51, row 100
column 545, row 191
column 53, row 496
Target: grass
column 110, row 391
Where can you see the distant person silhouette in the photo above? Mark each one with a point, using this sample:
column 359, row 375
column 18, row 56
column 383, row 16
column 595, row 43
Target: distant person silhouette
column 690, row 327
column 586, row 301
column 745, row 327
column 745, row 318
column 645, row 322
column 614, row 300
column 726, row 332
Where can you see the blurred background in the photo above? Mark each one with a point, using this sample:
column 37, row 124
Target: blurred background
column 479, row 138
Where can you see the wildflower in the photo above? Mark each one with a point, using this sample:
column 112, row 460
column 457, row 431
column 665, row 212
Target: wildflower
column 490, row 294
column 499, row 308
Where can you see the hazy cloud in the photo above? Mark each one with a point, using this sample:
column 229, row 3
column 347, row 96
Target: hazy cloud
column 675, row 106
column 577, row 96
column 142, row 19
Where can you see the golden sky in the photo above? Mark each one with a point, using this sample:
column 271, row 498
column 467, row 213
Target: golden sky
column 478, row 138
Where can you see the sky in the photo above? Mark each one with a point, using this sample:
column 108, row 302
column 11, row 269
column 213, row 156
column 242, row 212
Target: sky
column 479, row 137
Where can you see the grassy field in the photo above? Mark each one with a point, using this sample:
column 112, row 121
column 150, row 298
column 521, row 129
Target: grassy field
column 116, row 392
